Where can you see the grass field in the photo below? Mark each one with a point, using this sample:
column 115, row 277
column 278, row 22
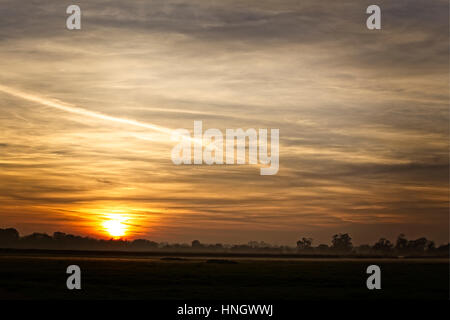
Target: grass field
column 43, row 276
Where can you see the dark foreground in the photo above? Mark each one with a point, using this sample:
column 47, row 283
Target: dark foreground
column 43, row 276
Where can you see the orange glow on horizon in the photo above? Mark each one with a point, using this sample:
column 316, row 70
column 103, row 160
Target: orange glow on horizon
column 106, row 220
column 115, row 226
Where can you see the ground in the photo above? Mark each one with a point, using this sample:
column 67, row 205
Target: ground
column 43, row 276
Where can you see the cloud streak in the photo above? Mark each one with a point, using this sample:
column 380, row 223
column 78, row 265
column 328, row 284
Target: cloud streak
column 363, row 117
column 72, row 109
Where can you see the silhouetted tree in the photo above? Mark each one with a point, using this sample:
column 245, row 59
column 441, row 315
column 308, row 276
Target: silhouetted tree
column 196, row 244
column 8, row 236
column 383, row 245
column 418, row 245
column 59, row 236
column 304, row 244
column 402, row 242
column 342, row 242
column 431, row 246
column 37, row 240
column 143, row 244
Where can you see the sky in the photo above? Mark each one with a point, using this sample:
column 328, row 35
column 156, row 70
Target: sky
column 86, row 116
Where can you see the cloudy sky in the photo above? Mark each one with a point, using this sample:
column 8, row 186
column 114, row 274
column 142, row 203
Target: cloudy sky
column 363, row 118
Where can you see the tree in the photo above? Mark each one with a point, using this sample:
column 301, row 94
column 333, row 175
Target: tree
column 8, row 236
column 196, row 244
column 431, row 246
column 402, row 242
column 418, row 245
column 38, row 240
column 383, row 245
column 304, row 243
column 143, row 244
column 59, row 235
column 342, row 242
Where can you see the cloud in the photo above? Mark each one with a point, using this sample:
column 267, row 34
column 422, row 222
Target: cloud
column 363, row 116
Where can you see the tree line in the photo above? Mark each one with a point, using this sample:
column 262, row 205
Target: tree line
column 341, row 244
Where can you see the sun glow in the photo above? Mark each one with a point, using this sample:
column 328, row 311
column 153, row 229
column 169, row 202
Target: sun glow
column 115, row 226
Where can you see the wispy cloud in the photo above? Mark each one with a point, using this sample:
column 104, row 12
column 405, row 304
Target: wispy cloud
column 363, row 117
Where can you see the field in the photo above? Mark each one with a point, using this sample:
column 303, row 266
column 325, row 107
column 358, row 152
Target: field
column 115, row 276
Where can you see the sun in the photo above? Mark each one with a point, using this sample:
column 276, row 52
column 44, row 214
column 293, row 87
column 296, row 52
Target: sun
column 115, row 226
